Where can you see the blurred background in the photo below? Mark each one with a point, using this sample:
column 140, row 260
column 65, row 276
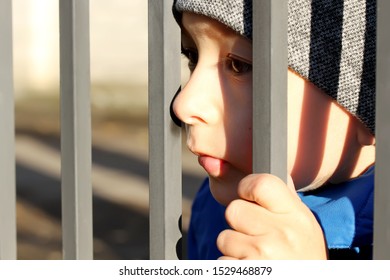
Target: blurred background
column 118, row 33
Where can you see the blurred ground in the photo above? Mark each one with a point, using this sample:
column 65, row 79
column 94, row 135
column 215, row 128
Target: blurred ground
column 120, row 181
column 119, row 74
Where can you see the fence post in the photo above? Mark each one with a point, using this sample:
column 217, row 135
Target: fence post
column 382, row 174
column 270, row 87
column 164, row 135
column 7, row 137
column 75, row 130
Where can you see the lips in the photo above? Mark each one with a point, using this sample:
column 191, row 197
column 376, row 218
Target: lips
column 213, row 166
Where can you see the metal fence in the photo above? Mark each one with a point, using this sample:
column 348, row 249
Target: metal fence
column 270, row 113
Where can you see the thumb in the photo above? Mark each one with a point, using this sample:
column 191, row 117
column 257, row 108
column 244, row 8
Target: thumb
column 269, row 192
column 291, row 186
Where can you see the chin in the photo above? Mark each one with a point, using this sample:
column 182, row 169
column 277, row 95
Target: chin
column 310, row 186
column 222, row 191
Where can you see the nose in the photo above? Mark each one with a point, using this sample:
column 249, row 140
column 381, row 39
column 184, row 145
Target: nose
column 174, row 118
column 198, row 100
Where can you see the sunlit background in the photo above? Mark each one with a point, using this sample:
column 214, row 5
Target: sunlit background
column 118, row 33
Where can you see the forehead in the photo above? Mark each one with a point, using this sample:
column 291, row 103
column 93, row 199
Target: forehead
column 197, row 26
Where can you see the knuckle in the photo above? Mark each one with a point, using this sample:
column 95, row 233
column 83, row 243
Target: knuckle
column 259, row 249
column 222, row 239
column 263, row 251
column 289, row 236
column 232, row 210
column 257, row 183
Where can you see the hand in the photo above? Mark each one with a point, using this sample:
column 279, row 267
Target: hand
column 269, row 221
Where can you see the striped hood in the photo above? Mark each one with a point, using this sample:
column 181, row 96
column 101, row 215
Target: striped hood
column 331, row 43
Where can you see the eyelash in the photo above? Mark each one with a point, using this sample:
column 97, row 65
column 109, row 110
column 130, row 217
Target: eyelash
column 237, row 66
column 192, row 57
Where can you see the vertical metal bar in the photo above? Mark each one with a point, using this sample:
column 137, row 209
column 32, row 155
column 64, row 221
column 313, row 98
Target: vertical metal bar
column 270, row 87
column 75, row 130
column 382, row 174
column 7, row 137
column 164, row 135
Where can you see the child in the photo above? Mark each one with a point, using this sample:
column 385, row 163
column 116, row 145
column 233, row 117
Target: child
column 326, row 209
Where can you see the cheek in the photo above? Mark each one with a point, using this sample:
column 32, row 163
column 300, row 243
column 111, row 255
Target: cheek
column 247, row 151
column 293, row 124
column 238, row 124
column 295, row 98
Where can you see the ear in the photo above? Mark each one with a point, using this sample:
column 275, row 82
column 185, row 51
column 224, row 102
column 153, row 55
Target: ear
column 365, row 138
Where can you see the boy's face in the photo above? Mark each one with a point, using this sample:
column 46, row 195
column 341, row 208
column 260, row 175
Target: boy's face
column 216, row 107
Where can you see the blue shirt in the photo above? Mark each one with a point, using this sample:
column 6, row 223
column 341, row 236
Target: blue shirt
column 344, row 211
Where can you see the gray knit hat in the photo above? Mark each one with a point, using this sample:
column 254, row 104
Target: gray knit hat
column 331, row 43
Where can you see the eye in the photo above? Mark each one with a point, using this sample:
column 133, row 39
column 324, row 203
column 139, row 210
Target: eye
column 238, row 65
column 192, row 56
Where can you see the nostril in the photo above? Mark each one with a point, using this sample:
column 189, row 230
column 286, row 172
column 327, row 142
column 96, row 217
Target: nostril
column 196, row 119
column 174, row 118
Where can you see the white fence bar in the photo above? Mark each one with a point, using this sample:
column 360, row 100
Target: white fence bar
column 382, row 174
column 7, row 137
column 270, row 87
column 164, row 135
column 75, row 130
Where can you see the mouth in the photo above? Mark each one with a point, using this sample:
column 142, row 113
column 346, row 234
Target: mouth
column 214, row 166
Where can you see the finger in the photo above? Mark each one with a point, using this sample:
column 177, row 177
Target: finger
column 227, row 258
column 267, row 191
column 233, row 244
column 291, row 185
column 248, row 217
